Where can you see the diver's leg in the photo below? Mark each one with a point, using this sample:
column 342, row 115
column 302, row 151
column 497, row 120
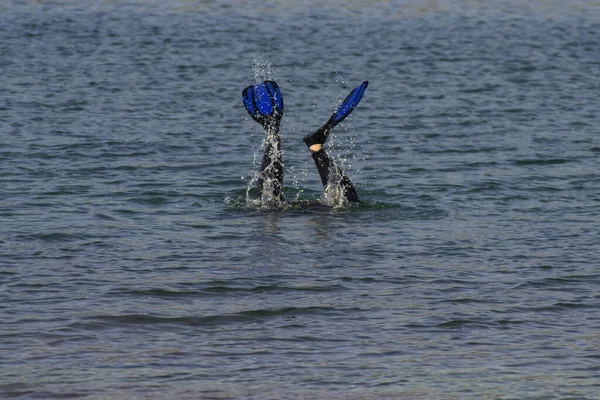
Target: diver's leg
column 270, row 177
column 330, row 173
column 264, row 103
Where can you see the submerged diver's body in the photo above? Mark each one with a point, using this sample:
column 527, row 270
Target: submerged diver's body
column 264, row 103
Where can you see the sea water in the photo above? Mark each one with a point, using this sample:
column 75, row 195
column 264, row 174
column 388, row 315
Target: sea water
column 132, row 267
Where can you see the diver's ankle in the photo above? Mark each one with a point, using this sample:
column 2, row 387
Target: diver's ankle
column 316, row 148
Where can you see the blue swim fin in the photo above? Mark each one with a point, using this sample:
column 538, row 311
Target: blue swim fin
column 343, row 110
column 348, row 104
column 264, row 102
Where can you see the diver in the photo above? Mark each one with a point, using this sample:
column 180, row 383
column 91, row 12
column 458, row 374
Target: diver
column 264, row 103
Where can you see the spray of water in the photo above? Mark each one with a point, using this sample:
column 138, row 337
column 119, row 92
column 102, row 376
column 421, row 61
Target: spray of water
column 333, row 194
column 262, row 70
column 265, row 175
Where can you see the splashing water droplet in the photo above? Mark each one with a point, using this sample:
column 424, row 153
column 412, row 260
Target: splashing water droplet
column 262, row 70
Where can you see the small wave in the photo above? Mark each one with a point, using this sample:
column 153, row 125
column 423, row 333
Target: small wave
column 460, row 323
column 54, row 237
column 557, row 283
column 224, row 289
column 115, row 321
column 243, row 204
column 541, row 162
column 20, row 390
column 386, row 210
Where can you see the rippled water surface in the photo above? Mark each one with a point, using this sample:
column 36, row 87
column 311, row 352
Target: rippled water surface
column 132, row 265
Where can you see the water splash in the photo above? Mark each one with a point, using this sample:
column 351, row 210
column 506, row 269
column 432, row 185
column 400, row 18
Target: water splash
column 270, row 192
column 267, row 198
column 263, row 70
column 334, row 193
column 265, row 177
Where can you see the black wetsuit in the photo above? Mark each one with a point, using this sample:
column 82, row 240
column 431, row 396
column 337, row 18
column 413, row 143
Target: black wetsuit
column 270, row 176
column 329, row 172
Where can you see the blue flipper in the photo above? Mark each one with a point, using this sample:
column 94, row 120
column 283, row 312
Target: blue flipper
column 348, row 104
column 343, row 110
column 263, row 102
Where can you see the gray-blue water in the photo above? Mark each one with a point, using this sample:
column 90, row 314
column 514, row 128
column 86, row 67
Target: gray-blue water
column 132, row 267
